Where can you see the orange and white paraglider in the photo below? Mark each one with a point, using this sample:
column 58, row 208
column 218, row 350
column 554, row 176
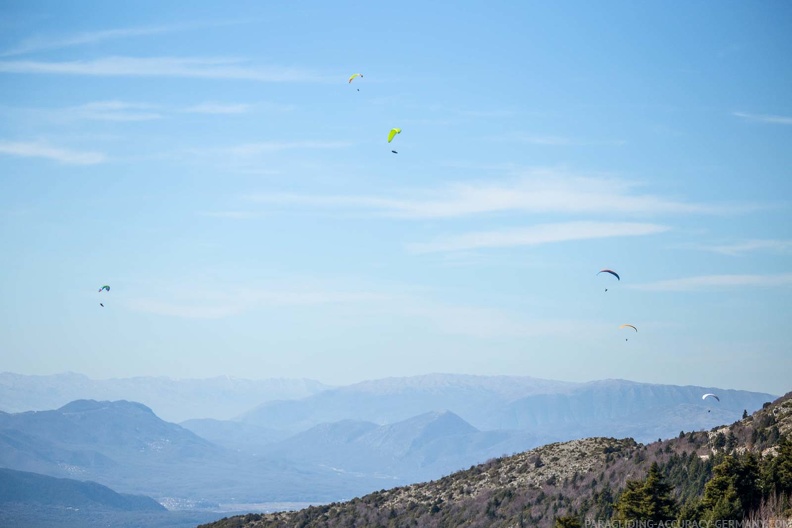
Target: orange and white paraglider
column 628, row 326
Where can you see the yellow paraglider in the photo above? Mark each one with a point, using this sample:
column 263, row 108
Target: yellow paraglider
column 392, row 133
column 354, row 76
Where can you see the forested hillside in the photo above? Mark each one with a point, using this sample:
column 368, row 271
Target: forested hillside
column 740, row 471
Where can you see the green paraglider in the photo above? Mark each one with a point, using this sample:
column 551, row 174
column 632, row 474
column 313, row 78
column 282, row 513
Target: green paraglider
column 392, row 133
column 105, row 287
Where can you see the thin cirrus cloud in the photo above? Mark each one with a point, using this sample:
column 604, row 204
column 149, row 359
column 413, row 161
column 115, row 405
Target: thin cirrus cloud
column 132, row 111
column 547, row 193
column 717, row 282
column 537, row 235
column 471, row 321
column 213, row 305
column 113, row 111
column 750, row 246
column 43, row 150
column 218, row 108
column 560, row 141
column 234, row 215
column 765, row 118
column 252, row 149
column 39, row 43
column 480, row 322
column 190, row 67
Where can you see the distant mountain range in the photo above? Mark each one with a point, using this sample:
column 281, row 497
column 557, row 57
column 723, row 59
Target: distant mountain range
column 341, row 442
column 389, row 400
column 549, row 410
column 422, row 447
column 175, row 400
column 38, row 501
column 125, row 446
column 32, row 488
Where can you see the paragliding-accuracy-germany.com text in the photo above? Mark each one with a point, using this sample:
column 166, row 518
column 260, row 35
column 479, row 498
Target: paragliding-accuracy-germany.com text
column 720, row 523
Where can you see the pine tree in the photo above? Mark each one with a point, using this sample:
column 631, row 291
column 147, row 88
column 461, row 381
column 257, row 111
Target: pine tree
column 568, row 521
column 734, row 489
column 777, row 474
column 660, row 505
column 647, row 500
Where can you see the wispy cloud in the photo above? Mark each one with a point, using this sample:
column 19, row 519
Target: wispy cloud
column 716, row 282
column 538, row 234
column 45, row 43
column 234, row 215
column 218, row 108
column 487, row 113
column 43, row 150
column 750, row 246
column 137, row 111
column 252, row 149
column 482, row 322
column 448, row 318
column 113, row 111
column 213, row 305
column 541, row 192
column 204, row 68
column 559, row 140
column 765, row 118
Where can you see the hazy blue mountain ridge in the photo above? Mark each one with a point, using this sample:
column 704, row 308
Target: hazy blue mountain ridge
column 389, row 400
column 125, row 446
column 424, row 446
column 32, row 488
column 567, row 411
column 341, row 442
column 222, row 397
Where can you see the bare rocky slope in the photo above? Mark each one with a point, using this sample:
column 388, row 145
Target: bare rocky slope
column 533, row 488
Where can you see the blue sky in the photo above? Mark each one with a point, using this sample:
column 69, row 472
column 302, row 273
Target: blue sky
column 211, row 163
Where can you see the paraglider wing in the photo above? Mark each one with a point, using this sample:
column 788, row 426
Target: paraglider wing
column 707, row 395
column 105, row 287
column 393, row 133
column 628, row 326
column 354, row 75
column 611, row 272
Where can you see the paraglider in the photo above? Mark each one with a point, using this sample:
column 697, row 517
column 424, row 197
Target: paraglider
column 103, row 288
column 353, row 76
column 392, row 133
column 611, row 272
column 628, row 326
column 394, row 151
column 709, row 395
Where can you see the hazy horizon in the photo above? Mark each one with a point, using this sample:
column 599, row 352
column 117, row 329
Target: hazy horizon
column 384, row 378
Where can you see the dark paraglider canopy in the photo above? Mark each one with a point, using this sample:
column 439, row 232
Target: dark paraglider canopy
column 611, row 272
